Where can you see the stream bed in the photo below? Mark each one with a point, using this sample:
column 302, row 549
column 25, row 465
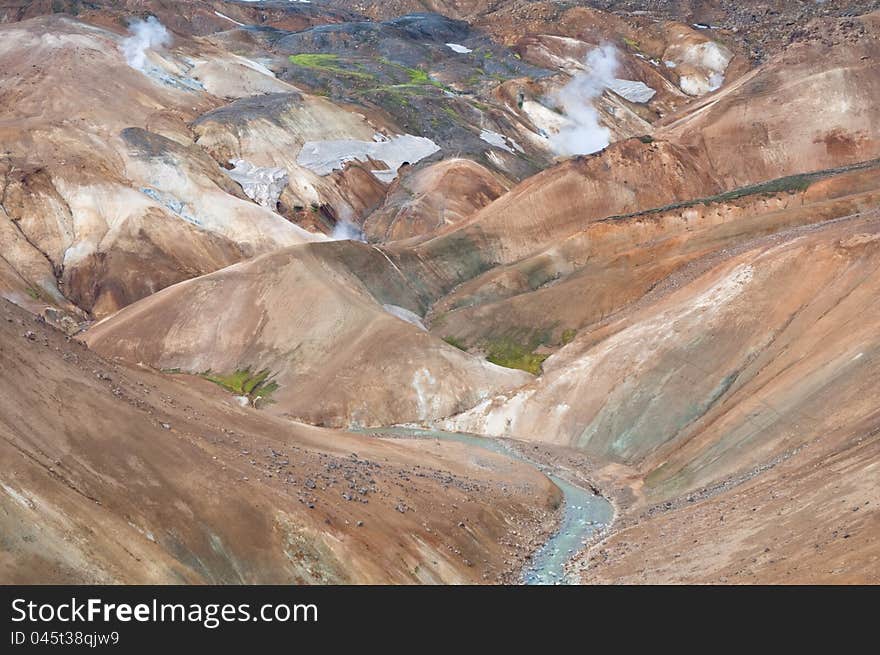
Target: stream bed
column 583, row 514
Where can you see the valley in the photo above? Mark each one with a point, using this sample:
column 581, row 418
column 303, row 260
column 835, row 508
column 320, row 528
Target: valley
column 417, row 292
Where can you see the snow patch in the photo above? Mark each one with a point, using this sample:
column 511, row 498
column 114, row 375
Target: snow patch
column 324, row 157
column 254, row 65
column 460, row 49
column 231, row 20
column 263, row 185
column 405, row 315
column 495, row 416
column 173, row 204
column 499, row 141
column 632, row 90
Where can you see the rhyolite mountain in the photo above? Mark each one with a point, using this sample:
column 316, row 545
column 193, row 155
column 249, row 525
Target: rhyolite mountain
column 281, row 225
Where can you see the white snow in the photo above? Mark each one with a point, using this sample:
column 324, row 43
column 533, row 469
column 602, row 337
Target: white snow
column 405, row 315
column 632, row 90
column 324, row 157
column 460, row 49
column 231, row 20
column 261, row 184
column 499, row 141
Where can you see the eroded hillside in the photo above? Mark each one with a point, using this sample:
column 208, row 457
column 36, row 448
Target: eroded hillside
column 641, row 241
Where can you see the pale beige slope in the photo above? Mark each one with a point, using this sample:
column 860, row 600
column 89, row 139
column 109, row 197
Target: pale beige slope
column 270, row 131
column 338, row 356
column 72, row 182
column 117, row 475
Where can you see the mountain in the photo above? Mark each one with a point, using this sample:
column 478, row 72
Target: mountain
column 635, row 243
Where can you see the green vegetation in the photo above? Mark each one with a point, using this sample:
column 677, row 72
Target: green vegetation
column 511, row 354
column 417, row 77
column 452, row 341
column 362, row 74
column 454, row 115
column 326, row 63
column 646, row 138
column 632, row 44
column 256, row 386
column 568, row 336
column 476, row 77
column 789, row 184
column 33, row 292
column 314, row 60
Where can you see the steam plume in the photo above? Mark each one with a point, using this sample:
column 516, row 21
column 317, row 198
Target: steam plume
column 145, row 34
column 584, row 134
column 345, row 231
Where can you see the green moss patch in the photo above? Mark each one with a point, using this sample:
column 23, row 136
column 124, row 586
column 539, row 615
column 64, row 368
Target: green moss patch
column 452, row 341
column 327, row 64
column 243, row 382
column 510, row 353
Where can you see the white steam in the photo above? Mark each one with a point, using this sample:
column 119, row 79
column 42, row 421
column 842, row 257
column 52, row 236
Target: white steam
column 145, row 34
column 584, row 134
column 345, row 231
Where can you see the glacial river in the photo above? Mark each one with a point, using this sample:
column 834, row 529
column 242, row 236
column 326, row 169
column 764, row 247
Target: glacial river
column 584, row 512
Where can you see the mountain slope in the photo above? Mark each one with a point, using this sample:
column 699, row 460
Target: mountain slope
column 332, row 340
column 118, row 475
